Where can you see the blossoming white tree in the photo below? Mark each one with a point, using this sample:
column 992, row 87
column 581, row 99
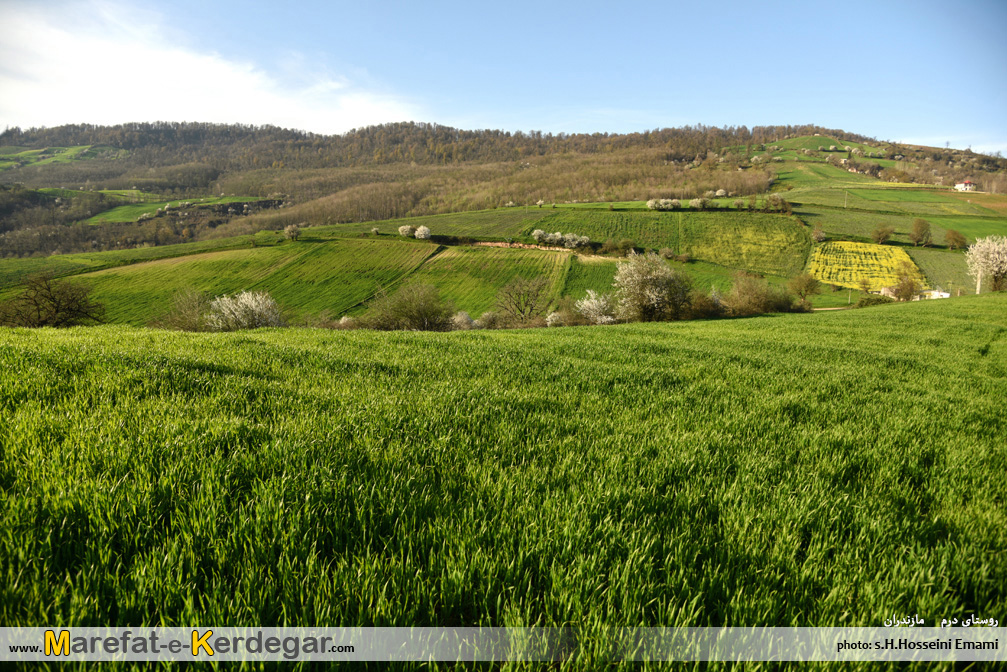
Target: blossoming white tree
column 649, row 290
column 987, row 257
column 247, row 310
column 596, row 308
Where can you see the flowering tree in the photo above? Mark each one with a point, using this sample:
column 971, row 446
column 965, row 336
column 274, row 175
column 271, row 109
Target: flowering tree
column 407, row 231
column 649, row 290
column 247, row 310
column 988, row 257
column 422, row 233
column 596, row 308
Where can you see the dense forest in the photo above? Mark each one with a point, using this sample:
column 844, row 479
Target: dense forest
column 238, row 147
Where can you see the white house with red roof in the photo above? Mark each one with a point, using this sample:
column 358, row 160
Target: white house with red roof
column 967, row 185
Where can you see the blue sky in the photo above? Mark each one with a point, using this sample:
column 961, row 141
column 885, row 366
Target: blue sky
column 927, row 72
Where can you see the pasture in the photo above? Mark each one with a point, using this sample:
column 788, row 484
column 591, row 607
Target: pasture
column 796, row 470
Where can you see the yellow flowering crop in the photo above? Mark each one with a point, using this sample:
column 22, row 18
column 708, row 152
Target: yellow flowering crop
column 846, row 264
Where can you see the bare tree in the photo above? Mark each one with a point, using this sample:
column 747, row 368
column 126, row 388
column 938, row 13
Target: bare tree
column 521, row 299
column 48, row 302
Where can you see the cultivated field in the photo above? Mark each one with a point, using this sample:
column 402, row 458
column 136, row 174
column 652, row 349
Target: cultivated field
column 847, row 264
column 805, row 470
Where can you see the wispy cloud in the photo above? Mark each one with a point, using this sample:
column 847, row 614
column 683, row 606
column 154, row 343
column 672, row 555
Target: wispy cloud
column 107, row 63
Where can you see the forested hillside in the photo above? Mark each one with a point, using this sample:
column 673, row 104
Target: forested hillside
column 64, row 189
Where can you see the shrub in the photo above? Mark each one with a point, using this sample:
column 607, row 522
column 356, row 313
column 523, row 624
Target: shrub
column 188, row 312
column 696, row 204
column 818, row 235
column 566, row 314
column 647, row 289
column 663, row 204
column 538, row 235
column 667, row 252
column 292, row 231
column 554, row 319
column 488, row 320
column 346, row 322
column 752, row 295
column 413, row 307
column 375, row 231
column 682, row 258
column 721, row 193
column 627, row 246
column 461, row 321
column 596, row 308
column 407, row 231
column 608, row 247
column 704, row 306
column 247, row 310
column 422, row 233
column 872, row 300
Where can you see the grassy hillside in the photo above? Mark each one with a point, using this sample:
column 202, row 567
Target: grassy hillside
column 306, row 278
column 472, row 277
column 807, row 470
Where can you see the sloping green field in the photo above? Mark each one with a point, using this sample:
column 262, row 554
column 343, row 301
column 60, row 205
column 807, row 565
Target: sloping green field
column 801, row 470
column 471, row 277
column 302, row 277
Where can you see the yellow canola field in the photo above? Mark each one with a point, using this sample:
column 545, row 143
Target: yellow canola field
column 846, row 264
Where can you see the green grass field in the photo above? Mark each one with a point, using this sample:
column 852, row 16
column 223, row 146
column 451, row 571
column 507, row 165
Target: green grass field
column 799, row 470
column 471, row 277
column 305, row 278
column 12, row 156
column 944, row 269
column 130, row 213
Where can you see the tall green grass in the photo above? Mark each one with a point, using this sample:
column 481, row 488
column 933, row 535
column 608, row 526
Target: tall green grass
column 809, row 470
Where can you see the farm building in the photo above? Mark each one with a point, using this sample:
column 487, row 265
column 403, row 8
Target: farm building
column 936, row 294
column 967, row 185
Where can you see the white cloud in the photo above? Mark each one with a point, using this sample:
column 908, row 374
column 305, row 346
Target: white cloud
column 108, row 63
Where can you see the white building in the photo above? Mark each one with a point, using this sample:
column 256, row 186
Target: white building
column 967, row 185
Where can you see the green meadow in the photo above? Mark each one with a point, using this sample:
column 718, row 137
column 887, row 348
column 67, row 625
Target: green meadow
column 798, row 470
column 133, row 211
